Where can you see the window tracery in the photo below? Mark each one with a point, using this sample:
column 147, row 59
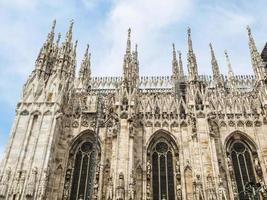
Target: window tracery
column 242, row 166
column 80, row 179
column 162, row 176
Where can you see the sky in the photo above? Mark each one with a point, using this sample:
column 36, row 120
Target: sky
column 103, row 24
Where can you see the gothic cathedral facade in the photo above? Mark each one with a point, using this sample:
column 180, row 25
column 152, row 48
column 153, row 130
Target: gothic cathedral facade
column 178, row 137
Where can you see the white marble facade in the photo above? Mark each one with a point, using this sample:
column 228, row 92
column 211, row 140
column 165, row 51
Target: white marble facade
column 132, row 137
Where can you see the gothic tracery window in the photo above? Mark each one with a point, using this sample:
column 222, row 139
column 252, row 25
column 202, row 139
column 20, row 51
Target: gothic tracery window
column 162, row 171
column 243, row 168
column 81, row 169
column 83, row 172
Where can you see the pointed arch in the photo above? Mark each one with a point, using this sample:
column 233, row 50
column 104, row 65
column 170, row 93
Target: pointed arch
column 161, row 133
column 162, row 153
column 241, row 151
column 239, row 135
column 84, row 156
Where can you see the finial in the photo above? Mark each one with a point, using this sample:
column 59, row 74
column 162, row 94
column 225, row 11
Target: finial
column 189, row 31
column 181, row 70
column 180, row 55
column 227, row 57
column 129, row 33
column 71, row 24
column 190, row 45
column 173, row 51
column 58, row 38
column 69, row 33
column 128, row 49
column 211, row 47
column 212, row 51
column 136, row 51
column 215, row 68
column 53, row 26
column 87, row 50
column 228, row 62
column 75, row 46
column 249, row 30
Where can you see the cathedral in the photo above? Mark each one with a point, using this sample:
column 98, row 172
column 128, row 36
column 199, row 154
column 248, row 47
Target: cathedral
column 133, row 137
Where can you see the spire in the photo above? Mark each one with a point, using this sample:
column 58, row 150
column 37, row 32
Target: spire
column 136, row 66
column 75, row 48
column 215, row 68
column 44, row 55
column 69, row 33
column 85, row 71
column 58, row 38
column 73, row 63
column 230, row 71
column 192, row 64
column 128, row 48
column 181, row 69
column 190, row 43
column 174, row 63
column 136, row 51
column 256, row 60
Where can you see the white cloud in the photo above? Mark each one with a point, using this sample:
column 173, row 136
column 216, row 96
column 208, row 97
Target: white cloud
column 147, row 20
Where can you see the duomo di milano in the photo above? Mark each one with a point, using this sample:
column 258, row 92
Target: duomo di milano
column 78, row 137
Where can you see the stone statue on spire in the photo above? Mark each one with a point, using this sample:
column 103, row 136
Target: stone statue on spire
column 174, row 64
column 215, row 69
column 256, row 60
column 192, row 64
column 231, row 78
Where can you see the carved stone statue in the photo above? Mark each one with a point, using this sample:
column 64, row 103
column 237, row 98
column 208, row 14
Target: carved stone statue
column 43, row 184
column 4, row 183
column 131, row 189
column 21, row 183
column 95, row 189
column 31, row 183
column 257, row 167
column 198, row 189
column 148, row 192
column 110, row 189
column 148, row 169
column 120, row 188
column 221, row 190
column 230, row 167
column 13, row 189
column 211, row 192
column 179, row 191
column 263, row 189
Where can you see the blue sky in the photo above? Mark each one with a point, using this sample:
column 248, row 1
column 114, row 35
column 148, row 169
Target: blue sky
column 155, row 24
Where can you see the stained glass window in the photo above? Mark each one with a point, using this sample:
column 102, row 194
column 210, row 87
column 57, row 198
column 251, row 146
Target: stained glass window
column 243, row 167
column 83, row 172
column 162, row 171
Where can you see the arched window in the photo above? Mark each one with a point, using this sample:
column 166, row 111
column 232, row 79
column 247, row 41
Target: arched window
column 79, row 179
column 83, row 172
column 241, row 156
column 161, row 155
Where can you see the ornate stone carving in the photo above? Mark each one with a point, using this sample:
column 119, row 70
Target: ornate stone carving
column 211, row 190
column 30, row 189
column 132, row 188
column 221, row 190
column 67, row 184
column 198, row 189
column 4, row 183
column 257, row 167
column 110, row 189
column 43, row 185
column 120, row 190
